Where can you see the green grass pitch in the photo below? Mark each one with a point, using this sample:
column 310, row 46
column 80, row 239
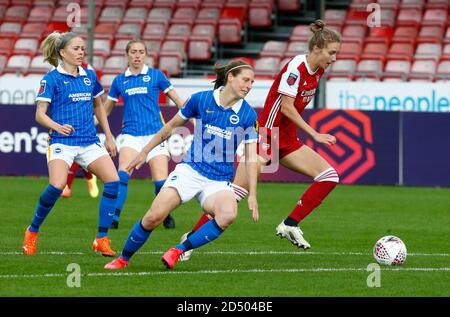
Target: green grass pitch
column 248, row 260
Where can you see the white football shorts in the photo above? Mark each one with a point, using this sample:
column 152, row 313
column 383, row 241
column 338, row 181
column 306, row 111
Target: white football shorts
column 189, row 183
column 83, row 155
column 139, row 142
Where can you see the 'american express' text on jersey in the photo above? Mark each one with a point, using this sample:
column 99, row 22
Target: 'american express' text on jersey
column 140, row 93
column 218, row 133
column 71, row 102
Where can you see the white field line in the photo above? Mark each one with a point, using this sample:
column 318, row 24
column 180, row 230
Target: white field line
column 300, row 252
column 315, row 270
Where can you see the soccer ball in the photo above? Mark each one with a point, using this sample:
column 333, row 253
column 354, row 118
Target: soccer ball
column 390, row 250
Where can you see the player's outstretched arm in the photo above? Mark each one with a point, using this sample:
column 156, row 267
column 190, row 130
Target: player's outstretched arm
column 251, row 167
column 288, row 109
column 162, row 135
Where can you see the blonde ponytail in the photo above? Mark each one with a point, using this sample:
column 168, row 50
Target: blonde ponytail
column 53, row 43
column 49, row 45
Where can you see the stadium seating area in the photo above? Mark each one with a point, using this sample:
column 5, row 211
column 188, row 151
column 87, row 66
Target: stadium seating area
column 410, row 43
column 176, row 31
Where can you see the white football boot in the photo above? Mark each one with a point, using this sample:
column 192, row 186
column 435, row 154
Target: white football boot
column 293, row 234
column 185, row 256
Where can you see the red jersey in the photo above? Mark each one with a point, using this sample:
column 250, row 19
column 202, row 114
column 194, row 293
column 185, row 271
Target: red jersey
column 295, row 80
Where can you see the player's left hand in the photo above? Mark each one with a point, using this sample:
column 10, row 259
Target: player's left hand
column 137, row 162
column 110, row 146
column 326, row 139
column 253, row 206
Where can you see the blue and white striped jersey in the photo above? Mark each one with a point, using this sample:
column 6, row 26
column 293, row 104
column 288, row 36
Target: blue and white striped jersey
column 218, row 132
column 71, row 102
column 141, row 114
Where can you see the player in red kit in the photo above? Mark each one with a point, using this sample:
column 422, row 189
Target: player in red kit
column 290, row 93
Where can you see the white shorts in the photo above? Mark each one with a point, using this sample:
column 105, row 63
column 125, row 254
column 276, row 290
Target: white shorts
column 139, row 142
column 189, row 183
column 83, row 155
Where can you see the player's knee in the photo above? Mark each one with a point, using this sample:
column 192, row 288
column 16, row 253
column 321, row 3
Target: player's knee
column 226, row 215
column 152, row 220
column 59, row 185
column 239, row 192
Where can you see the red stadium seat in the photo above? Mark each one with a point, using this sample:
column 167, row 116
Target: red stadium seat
column 40, row 14
column 437, row 4
column 380, row 34
column 119, row 47
column 401, row 51
column 33, row 29
column 6, row 45
column 343, row 68
column 98, row 62
column 176, row 44
column 435, row 17
column 129, row 31
column 135, row 14
column 153, row 44
column 430, row 34
column 18, row 64
column 230, row 31
column 152, row 29
column 428, row 51
column 357, row 16
column 111, row 14
column 203, row 29
column 184, row 15
column 106, row 30
column 10, row 29
column 199, row 48
column 334, row 16
column 424, row 69
column 178, row 28
column 350, row 50
column 397, row 69
column 405, row 34
column 289, row 5
column 260, row 15
column 209, row 15
column 115, row 64
column 375, row 51
column 273, row 48
column 369, row 68
column 26, row 46
column 301, row 33
column 171, row 63
column 354, row 32
column 102, row 47
column 38, row 66
column 159, row 14
column 16, row 13
column 412, row 4
column 267, row 66
column 295, row 48
column 443, row 70
column 409, row 17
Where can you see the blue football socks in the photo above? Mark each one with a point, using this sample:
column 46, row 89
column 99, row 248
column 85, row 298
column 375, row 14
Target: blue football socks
column 123, row 192
column 46, row 202
column 210, row 231
column 107, row 207
column 136, row 239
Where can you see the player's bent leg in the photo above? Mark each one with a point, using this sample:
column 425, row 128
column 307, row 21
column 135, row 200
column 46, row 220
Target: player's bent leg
column 167, row 200
column 225, row 207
